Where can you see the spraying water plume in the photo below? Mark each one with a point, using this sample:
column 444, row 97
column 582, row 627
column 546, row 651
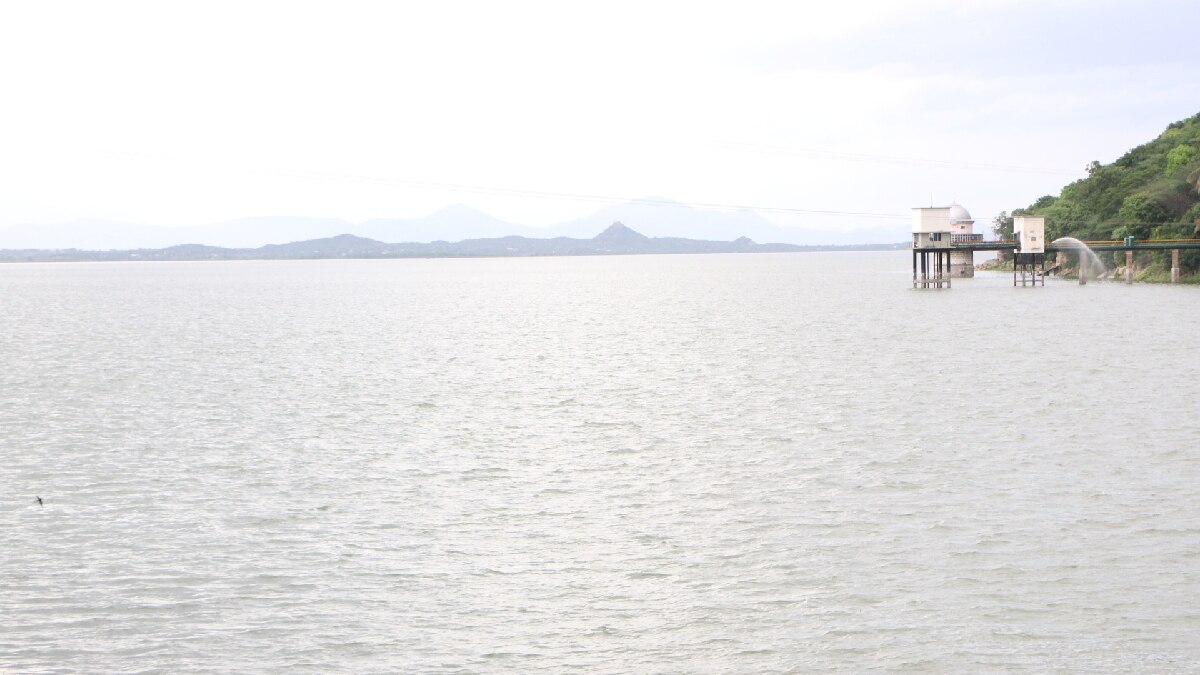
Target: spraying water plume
column 1088, row 260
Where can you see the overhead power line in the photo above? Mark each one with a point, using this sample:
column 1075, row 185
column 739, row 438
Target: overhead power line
column 891, row 159
column 610, row 199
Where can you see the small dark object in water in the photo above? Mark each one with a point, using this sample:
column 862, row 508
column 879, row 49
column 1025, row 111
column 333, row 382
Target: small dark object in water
column 39, row 501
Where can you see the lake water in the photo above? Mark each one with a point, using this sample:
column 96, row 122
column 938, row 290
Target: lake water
column 726, row 464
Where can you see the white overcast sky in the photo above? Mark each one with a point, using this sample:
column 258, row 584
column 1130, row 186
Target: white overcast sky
column 172, row 113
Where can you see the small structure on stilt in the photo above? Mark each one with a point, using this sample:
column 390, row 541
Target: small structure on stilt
column 1029, row 260
column 931, row 247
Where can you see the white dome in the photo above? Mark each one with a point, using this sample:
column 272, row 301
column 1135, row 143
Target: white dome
column 959, row 215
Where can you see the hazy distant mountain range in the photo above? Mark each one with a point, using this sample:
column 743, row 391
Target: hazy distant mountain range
column 653, row 217
column 617, row 239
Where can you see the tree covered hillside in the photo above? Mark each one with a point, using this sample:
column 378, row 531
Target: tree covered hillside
column 1152, row 192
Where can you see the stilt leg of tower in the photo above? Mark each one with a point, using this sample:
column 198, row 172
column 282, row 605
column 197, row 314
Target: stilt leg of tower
column 931, row 268
column 1029, row 269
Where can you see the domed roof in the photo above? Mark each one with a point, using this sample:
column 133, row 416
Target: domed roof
column 959, row 215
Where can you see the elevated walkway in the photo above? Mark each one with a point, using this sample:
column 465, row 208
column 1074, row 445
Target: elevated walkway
column 1104, row 245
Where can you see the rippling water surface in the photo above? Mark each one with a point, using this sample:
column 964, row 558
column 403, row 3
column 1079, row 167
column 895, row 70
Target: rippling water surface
column 755, row 463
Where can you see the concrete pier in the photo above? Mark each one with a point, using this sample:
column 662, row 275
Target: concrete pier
column 1129, row 267
column 1082, row 269
column 1174, row 265
column 962, row 264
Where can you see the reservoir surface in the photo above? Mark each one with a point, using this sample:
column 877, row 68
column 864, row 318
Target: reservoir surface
column 694, row 463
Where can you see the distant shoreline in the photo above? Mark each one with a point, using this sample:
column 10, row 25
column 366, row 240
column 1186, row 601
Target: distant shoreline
column 615, row 240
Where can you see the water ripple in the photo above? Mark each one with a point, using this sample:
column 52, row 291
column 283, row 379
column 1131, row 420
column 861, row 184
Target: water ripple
column 646, row 464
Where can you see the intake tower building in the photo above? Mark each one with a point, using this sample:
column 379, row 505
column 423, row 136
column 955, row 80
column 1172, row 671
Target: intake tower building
column 962, row 230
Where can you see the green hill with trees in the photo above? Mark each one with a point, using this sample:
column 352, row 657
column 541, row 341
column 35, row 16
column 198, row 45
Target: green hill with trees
column 1152, row 192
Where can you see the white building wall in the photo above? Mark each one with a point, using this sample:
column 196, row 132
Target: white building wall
column 1030, row 233
column 931, row 240
column 930, row 220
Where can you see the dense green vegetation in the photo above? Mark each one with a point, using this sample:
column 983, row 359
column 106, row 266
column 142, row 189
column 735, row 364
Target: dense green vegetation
column 1152, row 192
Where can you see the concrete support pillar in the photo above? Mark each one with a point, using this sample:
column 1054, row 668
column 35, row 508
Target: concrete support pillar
column 1129, row 267
column 1083, row 269
column 1174, row 265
